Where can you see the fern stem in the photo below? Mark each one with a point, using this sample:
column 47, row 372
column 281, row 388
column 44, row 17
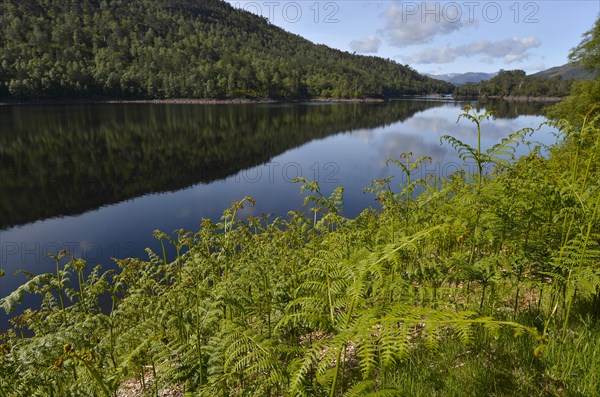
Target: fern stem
column 335, row 374
column 198, row 334
column 589, row 163
column 329, row 296
column 479, row 159
column 96, row 376
column 408, row 179
column 339, row 356
column 482, row 296
column 60, row 286
column 80, row 280
column 155, row 378
column 162, row 244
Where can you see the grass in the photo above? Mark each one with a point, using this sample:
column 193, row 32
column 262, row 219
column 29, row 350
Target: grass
column 481, row 284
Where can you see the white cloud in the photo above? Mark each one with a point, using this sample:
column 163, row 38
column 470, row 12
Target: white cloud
column 419, row 23
column 510, row 58
column 514, row 49
column 535, row 67
column 369, row 44
column 510, row 50
column 432, row 55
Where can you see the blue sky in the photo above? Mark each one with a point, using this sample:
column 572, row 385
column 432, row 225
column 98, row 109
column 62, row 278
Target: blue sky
column 440, row 36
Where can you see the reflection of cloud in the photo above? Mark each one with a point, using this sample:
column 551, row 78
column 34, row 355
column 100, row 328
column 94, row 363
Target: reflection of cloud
column 492, row 131
column 363, row 135
column 248, row 210
column 394, row 143
column 184, row 213
column 431, row 123
column 511, row 50
column 420, row 135
column 369, row 44
column 443, row 160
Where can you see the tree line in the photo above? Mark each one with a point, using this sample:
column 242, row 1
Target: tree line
column 508, row 83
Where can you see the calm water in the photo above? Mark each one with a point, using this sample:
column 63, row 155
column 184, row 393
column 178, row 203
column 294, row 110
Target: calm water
column 98, row 179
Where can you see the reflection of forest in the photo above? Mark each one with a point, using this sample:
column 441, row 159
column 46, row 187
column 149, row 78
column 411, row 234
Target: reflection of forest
column 64, row 160
column 511, row 109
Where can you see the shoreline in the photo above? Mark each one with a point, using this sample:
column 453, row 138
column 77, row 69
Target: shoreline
column 180, row 101
column 251, row 101
column 513, row 98
column 510, row 98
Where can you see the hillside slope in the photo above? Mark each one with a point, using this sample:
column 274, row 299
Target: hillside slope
column 566, row 71
column 178, row 48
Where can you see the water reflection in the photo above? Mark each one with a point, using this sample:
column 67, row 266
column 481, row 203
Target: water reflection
column 60, row 160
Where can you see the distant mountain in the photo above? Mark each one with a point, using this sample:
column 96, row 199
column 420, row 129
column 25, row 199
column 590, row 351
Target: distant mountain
column 178, row 49
column 463, row 78
column 567, row 71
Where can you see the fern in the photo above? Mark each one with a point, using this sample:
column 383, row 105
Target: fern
column 468, row 272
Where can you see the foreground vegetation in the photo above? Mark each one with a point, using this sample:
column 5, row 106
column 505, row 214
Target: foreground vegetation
column 485, row 282
column 476, row 284
column 584, row 97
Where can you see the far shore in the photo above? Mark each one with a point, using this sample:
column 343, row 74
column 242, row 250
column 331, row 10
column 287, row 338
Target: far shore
column 513, row 98
column 233, row 101
column 176, row 101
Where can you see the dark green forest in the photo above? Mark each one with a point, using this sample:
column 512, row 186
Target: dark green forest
column 175, row 49
column 515, row 83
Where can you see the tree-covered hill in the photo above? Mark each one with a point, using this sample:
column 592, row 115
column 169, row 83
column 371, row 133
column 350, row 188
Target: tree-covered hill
column 178, row 48
column 515, row 83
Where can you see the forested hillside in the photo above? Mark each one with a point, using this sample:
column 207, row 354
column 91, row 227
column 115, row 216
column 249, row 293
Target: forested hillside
column 178, row 48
